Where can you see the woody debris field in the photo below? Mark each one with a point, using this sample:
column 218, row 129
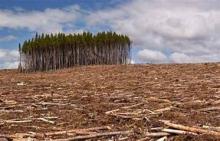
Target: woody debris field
column 112, row 103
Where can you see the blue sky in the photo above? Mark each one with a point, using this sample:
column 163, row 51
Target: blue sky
column 161, row 32
column 41, row 5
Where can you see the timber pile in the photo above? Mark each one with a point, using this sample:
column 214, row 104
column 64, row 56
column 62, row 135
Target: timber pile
column 141, row 102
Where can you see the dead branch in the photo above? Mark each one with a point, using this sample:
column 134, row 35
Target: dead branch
column 17, row 121
column 47, row 121
column 154, row 99
column 11, row 111
column 96, row 135
column 191, row 129
column 212, row 128
column 162, row 139
column 52, row 104
column 181, row 132
column 132, row 106
column 210, row 109
column 112, row 111
column 158, row 111
column 127, row 107
column 144, row 139
column 79, row 131
column 156, row 129
column 157, row 134
column 151, row 112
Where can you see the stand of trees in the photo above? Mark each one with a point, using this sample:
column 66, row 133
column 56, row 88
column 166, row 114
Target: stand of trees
column 56, row 51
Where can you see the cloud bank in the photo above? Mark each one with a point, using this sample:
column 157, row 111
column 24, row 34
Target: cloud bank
column 167, row 31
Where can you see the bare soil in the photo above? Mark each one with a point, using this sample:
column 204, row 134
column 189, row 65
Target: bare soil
column 80, row 98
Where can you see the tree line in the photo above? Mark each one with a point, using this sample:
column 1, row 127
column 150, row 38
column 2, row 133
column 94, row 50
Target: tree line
column 56, row 51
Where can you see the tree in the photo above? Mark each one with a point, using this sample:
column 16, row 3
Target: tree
column 55, row 51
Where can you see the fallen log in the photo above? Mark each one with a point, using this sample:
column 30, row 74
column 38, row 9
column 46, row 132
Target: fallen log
column 191, row 129
column 96, row 135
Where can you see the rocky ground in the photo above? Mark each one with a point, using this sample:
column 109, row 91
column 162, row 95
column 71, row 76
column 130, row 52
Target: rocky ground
column 112, row 103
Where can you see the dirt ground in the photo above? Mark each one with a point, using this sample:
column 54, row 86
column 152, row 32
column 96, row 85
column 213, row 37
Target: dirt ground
column 42, row 105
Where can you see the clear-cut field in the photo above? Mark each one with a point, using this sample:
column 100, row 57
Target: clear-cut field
column 40, row 104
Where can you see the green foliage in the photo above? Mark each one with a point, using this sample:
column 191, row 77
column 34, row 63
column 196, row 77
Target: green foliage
column 56, row 51
column 60, row 40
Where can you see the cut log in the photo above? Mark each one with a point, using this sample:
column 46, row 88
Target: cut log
column 47, row 121
column 154, row 99
column 144, row 139
column 96, row 136
column 125, row 107
column 191, row 129
column 157, row 134
column 52, row 104
column 11, row 111
column 156, row 128
column 158, row 111
column 181, row 132
column 17, row 121
column 112, row 111
column 133, row 106
column 162, row 139
column 78, row 131
column 212, row 128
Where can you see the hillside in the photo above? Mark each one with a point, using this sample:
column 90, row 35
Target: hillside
column 40, row 105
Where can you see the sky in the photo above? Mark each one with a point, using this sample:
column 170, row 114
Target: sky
column 162, row 31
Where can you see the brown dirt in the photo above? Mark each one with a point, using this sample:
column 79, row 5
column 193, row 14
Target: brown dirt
column 88, row 92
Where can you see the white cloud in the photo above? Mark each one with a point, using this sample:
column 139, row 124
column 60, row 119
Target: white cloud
column 49, row 20
column 8, row 58
column 9, row 65
column 186, row 27
column 7, row 38
column 151, row 56
column 183, row 58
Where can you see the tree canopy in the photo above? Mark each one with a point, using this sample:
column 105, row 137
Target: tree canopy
column 55, row 51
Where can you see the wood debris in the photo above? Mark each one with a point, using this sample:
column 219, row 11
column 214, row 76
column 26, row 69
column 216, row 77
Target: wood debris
column 191, row 129
column 64, row 104
column 96, row 135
